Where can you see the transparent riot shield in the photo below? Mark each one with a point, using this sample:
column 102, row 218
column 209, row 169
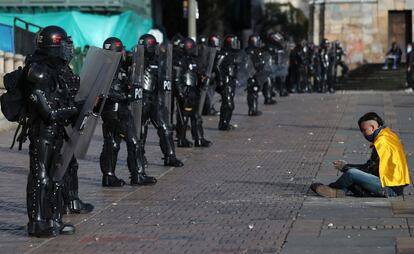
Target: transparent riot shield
column 207, row 77
column 282, row 65
column 165, row 77
column 136, row 78
column 245, row 69
column 269, row 64
column 96, row 77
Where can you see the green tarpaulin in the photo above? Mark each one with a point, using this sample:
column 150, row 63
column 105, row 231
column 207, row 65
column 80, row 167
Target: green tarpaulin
column 89, row 29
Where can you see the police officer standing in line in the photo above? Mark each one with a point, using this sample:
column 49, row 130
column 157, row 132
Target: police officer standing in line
column 187, row 92
column 118, row 125
column 331, row 72
column 254, row 83
column 324, row 56
column 50, row 109
column 227, row 65
column 340, row 53
column 275, row 45
column 203, row 49
column 152, row 107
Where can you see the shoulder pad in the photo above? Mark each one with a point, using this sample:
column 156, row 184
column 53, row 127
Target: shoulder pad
column 37, row 73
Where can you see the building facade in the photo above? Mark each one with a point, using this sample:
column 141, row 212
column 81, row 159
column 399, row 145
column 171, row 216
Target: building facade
column 366, row 28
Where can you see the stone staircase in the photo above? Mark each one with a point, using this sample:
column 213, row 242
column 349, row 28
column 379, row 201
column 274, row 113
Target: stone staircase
column 373, row 77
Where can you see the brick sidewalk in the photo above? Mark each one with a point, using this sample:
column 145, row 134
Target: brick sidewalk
column 248, row 193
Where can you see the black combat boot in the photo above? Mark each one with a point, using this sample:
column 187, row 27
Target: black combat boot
column 112, row 181
column 142, row 179
column 77, row 206
column 184, row 143
column 202, row 143
column 172, row 161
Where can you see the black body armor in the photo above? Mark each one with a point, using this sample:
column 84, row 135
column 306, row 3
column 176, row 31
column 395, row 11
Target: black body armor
column 50, row 109
column 187, row 93
column 118, row 125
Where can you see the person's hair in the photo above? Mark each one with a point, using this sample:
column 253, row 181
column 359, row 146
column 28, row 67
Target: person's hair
column 371, row 116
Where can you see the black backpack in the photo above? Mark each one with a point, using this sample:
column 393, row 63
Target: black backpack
column 13, row 103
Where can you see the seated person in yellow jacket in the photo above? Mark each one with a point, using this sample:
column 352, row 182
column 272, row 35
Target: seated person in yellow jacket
column 384, row 175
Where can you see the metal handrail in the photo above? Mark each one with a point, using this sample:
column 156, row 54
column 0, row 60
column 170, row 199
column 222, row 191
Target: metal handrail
column 66, row 3
column 27, row 24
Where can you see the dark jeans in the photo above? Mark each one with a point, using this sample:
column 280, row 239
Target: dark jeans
column 354, row 178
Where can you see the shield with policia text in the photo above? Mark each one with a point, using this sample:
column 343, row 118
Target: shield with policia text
column 165, row 54
column 207, row 77
column 137, row 77
column 96, row 78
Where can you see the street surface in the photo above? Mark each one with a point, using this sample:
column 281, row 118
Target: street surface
column 248, row 193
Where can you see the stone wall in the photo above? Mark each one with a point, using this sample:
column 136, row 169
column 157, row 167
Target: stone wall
column 361, row 26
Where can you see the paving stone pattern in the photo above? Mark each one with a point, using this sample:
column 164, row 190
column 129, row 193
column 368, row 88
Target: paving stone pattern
column 248, row 193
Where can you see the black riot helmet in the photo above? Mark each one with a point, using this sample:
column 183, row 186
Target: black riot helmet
column 231, row 42
column 149, row 42
column 324, row 43
column 275, row 39
column 254, row 41
column 189, row 46
column 113, row 44
column 202, row 40
column 311, row 46
column 176, row 40
column 215, row 41
column 54, row 41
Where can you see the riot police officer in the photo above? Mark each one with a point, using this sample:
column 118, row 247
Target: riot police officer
column 303, row 67
column 227, row 65
column 339, row 54
column 203, row 44
column 295, row 67
column 50, row 108
column 118, row 125
column 313, row 67
column 331, row 70
column 153, row 109
column 255, row 83
column 187, row 93
column 275, row 45
column 177, row 54
column 325, row 65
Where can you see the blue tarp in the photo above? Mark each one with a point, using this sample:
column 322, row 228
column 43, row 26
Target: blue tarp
column 89, row 29
column 6, row 38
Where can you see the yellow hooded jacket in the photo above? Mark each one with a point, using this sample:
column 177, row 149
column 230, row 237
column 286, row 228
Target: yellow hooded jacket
column 393, row 169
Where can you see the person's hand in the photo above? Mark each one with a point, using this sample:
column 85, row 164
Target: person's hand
column 339, row 164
